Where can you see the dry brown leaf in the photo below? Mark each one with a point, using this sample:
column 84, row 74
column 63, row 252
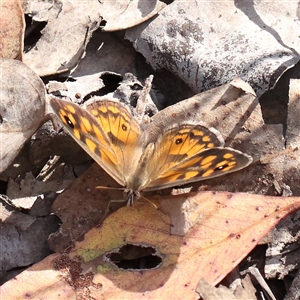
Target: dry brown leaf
column 22, row 107
column 81, row 206
column 70, row 27
column 62, row 44
column 207, row 43
column 282, row 255
column 23, row 237
column 243, row 291
column 119, row 15
column 227, row 228
column 106, row 48
column 12, row 26
column 84, row 86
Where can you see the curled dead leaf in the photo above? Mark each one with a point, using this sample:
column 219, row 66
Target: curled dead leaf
column 22, row 107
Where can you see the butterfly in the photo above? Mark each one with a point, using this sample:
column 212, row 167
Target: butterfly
column 147, row 156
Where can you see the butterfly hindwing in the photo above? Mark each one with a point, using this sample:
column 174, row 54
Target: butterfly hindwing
column 192, row 154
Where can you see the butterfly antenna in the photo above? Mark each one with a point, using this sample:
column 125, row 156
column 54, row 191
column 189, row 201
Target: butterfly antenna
column 109, row 188
column 151, row 202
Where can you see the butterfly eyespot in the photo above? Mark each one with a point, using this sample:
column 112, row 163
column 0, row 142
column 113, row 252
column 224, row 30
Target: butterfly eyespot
column 124, row 127
column 69, row 122
column 178, row 141
column 220, row 168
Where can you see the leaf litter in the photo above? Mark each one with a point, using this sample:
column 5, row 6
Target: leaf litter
column 237, row 116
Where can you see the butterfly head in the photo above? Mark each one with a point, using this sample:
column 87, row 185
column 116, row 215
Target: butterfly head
column 130, row 196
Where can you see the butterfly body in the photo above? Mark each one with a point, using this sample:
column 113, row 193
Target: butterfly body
column 147, row 156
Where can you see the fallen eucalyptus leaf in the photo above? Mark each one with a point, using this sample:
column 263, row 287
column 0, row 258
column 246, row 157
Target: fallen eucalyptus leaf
column 227, row 228
column 62, row 44
column 70, row 25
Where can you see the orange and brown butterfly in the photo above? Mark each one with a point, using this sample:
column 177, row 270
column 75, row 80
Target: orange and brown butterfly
column 143, row 156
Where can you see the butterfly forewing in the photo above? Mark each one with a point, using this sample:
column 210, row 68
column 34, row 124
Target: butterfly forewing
column 89, row 134
column 122, row 130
